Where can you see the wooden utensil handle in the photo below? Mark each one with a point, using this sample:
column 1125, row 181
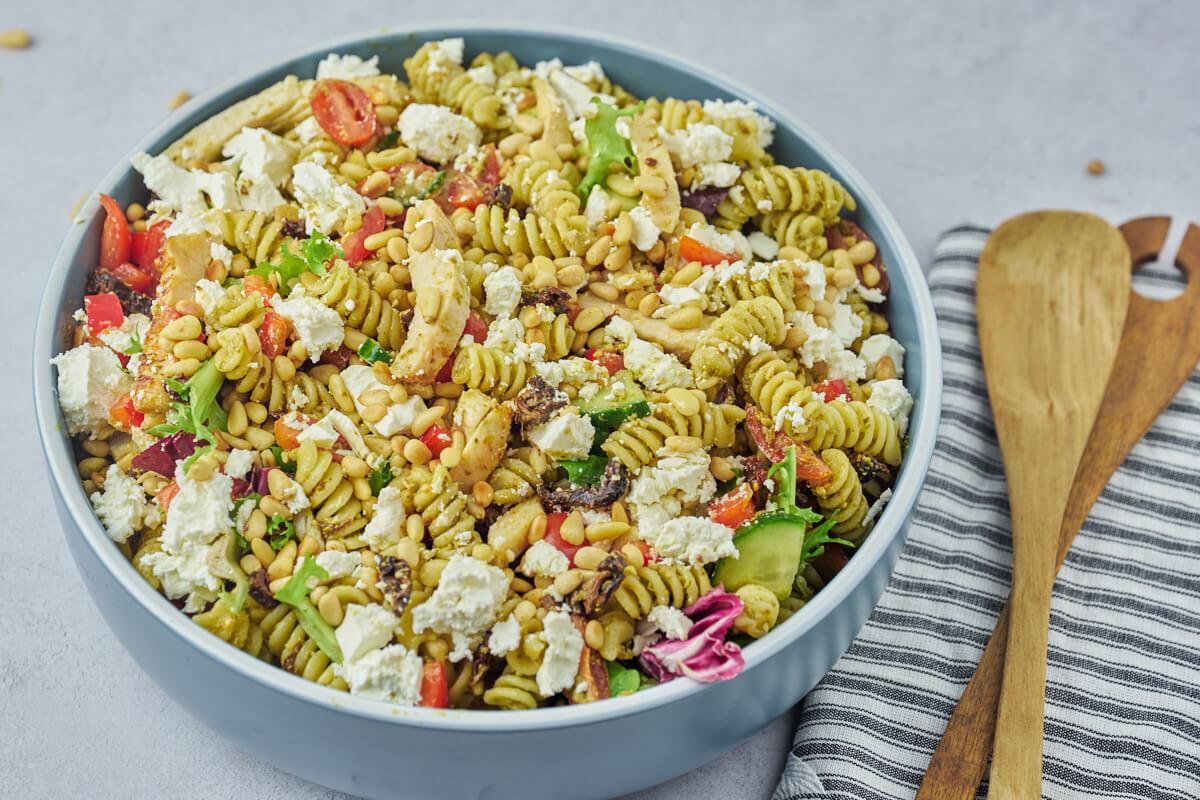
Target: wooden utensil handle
column 962, row 754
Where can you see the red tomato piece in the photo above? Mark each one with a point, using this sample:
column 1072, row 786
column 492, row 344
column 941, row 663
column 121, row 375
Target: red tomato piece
column 437, row 438
column 733, row 508
column 115, row 241
column 344, row 111
column 459, row 190
column 124, row 414
column 272, row 334
column 167, row 494
column 491, row 168
column 372, row 223
column 611, row 361
column 286, row 436
column 554, row 524
column 434, row 692
column 834, row 389
column 147, row 246
column 774, row 445
column 103, row 312
column 476, row 328
column 692, row 250
column 257, row 284
column 134, row 278
column 446, row 373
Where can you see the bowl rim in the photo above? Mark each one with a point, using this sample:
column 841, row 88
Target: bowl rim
column 60, row 462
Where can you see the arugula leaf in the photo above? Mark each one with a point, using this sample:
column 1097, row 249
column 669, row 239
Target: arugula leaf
column 295, row 594
column 285, row 465
column 314, row 252
column 389, row 141
column 381, row 476
column 135, row 344
column 241, row 591
column 372, row 352
column 816, row 539
column 281, row 531
column 197, row 411
column 622, row 679
column 586, row 471
column 607, row 146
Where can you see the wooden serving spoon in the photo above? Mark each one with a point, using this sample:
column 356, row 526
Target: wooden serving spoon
column 1160, row 347
column 1051, row 297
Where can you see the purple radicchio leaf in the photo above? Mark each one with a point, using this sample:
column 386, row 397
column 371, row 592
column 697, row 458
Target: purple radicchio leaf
column 704, row 200
column 162, row 456
column 704, row 655
column 258, row 480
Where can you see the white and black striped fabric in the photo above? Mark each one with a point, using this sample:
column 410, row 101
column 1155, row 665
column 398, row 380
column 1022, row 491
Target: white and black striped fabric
column 1123, row 681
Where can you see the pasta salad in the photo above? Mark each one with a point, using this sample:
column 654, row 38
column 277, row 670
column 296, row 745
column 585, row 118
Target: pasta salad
column 484, row 386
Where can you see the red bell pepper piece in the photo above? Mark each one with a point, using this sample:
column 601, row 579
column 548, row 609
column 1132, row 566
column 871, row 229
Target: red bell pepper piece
column 103, row 312
column 434, row 691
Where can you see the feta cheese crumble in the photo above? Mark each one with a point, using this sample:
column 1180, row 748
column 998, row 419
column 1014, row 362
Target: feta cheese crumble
column 386, row 527
column 392, row 674
column 359, row 380
column 692, row 541
column 892, row 398
column 502, row 292
column 505, row 637
column 437, row 133
column 121, row 507
column 347, row 67
column 566, row 436
column 318, row 327
column 671, row 621
column 645, row 232
column 464, row 604
column 876, row 347
column 656, row 369
column 560, row 661
column 364, row 628
column 90, row 381
column 543, row 558
column 325, row 202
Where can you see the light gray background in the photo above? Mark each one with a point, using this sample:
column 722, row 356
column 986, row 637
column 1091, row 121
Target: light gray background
column 954, row 111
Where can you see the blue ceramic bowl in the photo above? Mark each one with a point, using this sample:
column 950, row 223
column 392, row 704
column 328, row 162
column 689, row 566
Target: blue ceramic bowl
column 597, row 750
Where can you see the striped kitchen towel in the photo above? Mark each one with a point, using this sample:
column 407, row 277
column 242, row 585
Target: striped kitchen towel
column 1123, row 683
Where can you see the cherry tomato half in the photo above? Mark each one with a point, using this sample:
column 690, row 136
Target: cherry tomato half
column 103, row 312
column 134, row 278
column 692, row 250
column 733, row 508
column 272, row 334
column 147, row 246
column 353, row 244
column 434, row 692
column 834, row 389
column 611, row 361
column 286, row 436
column 554, row 523
column 115, row 241
column 437, row 438
column 343, row 111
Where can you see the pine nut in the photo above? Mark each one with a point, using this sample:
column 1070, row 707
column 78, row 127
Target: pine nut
column 190, row 349
column 331, row 609
column 572, row 528
column 652, row 185
column 262, row 551
column 397, row 250
column 599, row 249
column 250, row 564
column 409, row 551
column 378, row 240
column 623, row 230
column 414, row 527
column 606, row 531
column 416, row 451
column 355, row 467
column 180, row 328
column 429, row 304
column 589, row 557
column 423, row 421
column 841, row 260
column 451, row 457
column 689, row 273
column 649, row 304
column 720, row 469
column 685, row 318
column 537, row 529
column 862, row 252
column 605, row 291
column 633, row 554
column 200, row 471
column 619, row 514
column 282, row 566
column 362, row 488
column 260, row 439
column 568, row 582
column 885, row 369
column 571, row 276
column 422, row 237
column 374, row 413
column 257, row 413
column 376, row 184
column 272, row 507
column 483, row 493
column 684, row 401
column 256, row 527
column 871, row 275
column 17, row 38
column 178, row 99
column 593, row 634
column 309, row 547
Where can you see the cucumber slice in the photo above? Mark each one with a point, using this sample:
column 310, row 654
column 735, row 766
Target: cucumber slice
column 769, row 553
column 620, row 399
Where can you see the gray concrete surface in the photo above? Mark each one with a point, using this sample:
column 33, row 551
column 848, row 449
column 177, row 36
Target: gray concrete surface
column 954, row 111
